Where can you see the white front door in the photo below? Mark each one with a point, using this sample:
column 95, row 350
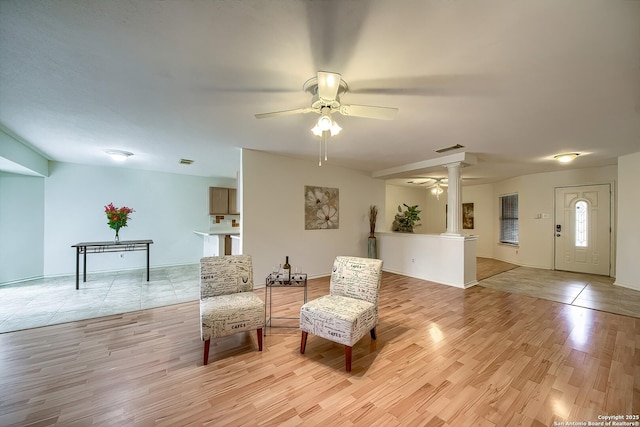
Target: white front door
column 583, row 229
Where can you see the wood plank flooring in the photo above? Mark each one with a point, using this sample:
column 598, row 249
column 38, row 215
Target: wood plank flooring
column 444, row 357
column 487, row 267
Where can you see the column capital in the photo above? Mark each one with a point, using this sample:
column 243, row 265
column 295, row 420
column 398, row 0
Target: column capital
column 450, row 165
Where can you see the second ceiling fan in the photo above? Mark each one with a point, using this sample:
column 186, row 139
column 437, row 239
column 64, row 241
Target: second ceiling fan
column 435, row 184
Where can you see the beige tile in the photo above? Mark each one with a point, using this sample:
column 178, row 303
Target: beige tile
column 578, row 289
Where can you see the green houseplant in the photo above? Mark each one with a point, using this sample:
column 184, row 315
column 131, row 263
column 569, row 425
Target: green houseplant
column 404, row 222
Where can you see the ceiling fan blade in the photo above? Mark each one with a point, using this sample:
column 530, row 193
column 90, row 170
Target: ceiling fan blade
column 285, row 113
column 328, row 85
column 382, row 113
column 432, row 85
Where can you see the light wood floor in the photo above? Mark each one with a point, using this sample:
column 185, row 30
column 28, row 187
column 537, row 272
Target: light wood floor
column 444, row 357
column 487, row 267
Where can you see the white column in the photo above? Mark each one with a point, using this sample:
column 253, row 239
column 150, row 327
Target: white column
column 454, row 200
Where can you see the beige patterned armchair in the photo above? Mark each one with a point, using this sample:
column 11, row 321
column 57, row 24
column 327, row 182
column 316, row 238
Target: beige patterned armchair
column 227, row 302
column 350, row 310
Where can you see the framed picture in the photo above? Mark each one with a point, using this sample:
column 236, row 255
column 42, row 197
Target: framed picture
column 467, row 216
column 321, row 208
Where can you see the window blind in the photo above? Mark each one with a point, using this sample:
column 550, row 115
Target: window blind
column 509, row 219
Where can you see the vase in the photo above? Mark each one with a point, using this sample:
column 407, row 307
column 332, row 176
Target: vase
column 117, row 238
column 372, row 251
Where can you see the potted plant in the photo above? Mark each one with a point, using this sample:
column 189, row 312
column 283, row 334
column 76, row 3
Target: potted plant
column 404, row 222
column 372, row 247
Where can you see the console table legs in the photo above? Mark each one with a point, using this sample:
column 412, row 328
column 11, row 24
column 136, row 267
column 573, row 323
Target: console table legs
column 78, row 268
column 147, row 262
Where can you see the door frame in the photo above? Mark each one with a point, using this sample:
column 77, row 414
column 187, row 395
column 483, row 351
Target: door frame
column 612, row 222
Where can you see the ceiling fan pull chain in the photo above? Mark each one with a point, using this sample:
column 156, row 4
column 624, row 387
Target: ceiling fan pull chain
column 326, row 143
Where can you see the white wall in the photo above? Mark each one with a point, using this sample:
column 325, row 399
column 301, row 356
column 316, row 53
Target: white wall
column 536, row 195
column 434, row 220
column 21, row 227
column 168, row 207
column 273, row 213
column 628, row 242
column 396, row 195
column 484, row 213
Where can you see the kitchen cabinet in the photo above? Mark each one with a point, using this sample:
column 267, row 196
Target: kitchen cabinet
column 233, row 202
column 223, row 201
column 218, row 200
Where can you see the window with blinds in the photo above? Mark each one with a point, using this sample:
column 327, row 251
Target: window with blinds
column 509, row 219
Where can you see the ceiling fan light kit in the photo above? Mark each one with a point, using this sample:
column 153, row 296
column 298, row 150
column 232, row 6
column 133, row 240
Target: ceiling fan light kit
column 326, row 89
column 437, row 190
column 326, row 123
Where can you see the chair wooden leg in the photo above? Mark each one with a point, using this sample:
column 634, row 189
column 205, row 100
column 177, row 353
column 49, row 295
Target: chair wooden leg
column 206, row 351
column 303, row 342
column 260, row 339
column 347, row 357
column 373, row 334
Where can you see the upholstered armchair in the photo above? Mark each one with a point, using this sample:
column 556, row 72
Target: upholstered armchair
column 350, row 310
column 227, row 302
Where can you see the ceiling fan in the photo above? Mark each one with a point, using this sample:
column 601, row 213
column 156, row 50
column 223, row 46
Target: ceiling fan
column 428, row 181
column 326, row 89
column 435, row 184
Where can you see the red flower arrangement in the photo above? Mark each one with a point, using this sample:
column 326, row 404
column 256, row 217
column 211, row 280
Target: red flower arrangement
column 117, row 217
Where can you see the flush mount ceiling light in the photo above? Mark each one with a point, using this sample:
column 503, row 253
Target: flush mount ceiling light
column 118, row 155
column 566, row 157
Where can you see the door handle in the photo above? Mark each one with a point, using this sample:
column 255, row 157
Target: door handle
column 558, row 235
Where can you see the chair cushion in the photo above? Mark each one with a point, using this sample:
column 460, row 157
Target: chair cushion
column 337, row 318
column 228, row 314
column 356, row 278
column 225, row 275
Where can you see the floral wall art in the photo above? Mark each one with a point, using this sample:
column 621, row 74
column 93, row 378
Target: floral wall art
column 467, row 216
column 320, row 208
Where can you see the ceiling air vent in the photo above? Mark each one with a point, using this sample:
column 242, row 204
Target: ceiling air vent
column 185, row 161
column 453, row 147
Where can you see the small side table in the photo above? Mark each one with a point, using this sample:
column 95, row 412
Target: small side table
column 298, row 280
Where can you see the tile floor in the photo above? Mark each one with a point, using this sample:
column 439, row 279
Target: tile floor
column 50, row 301
column 582, row 290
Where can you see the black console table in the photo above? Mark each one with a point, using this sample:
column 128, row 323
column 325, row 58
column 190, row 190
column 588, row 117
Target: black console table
column 104, row 247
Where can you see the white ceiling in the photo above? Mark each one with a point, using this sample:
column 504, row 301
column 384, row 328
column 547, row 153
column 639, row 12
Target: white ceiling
column 513, row 82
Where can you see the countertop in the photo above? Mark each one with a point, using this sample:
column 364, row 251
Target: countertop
column 217, row 232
